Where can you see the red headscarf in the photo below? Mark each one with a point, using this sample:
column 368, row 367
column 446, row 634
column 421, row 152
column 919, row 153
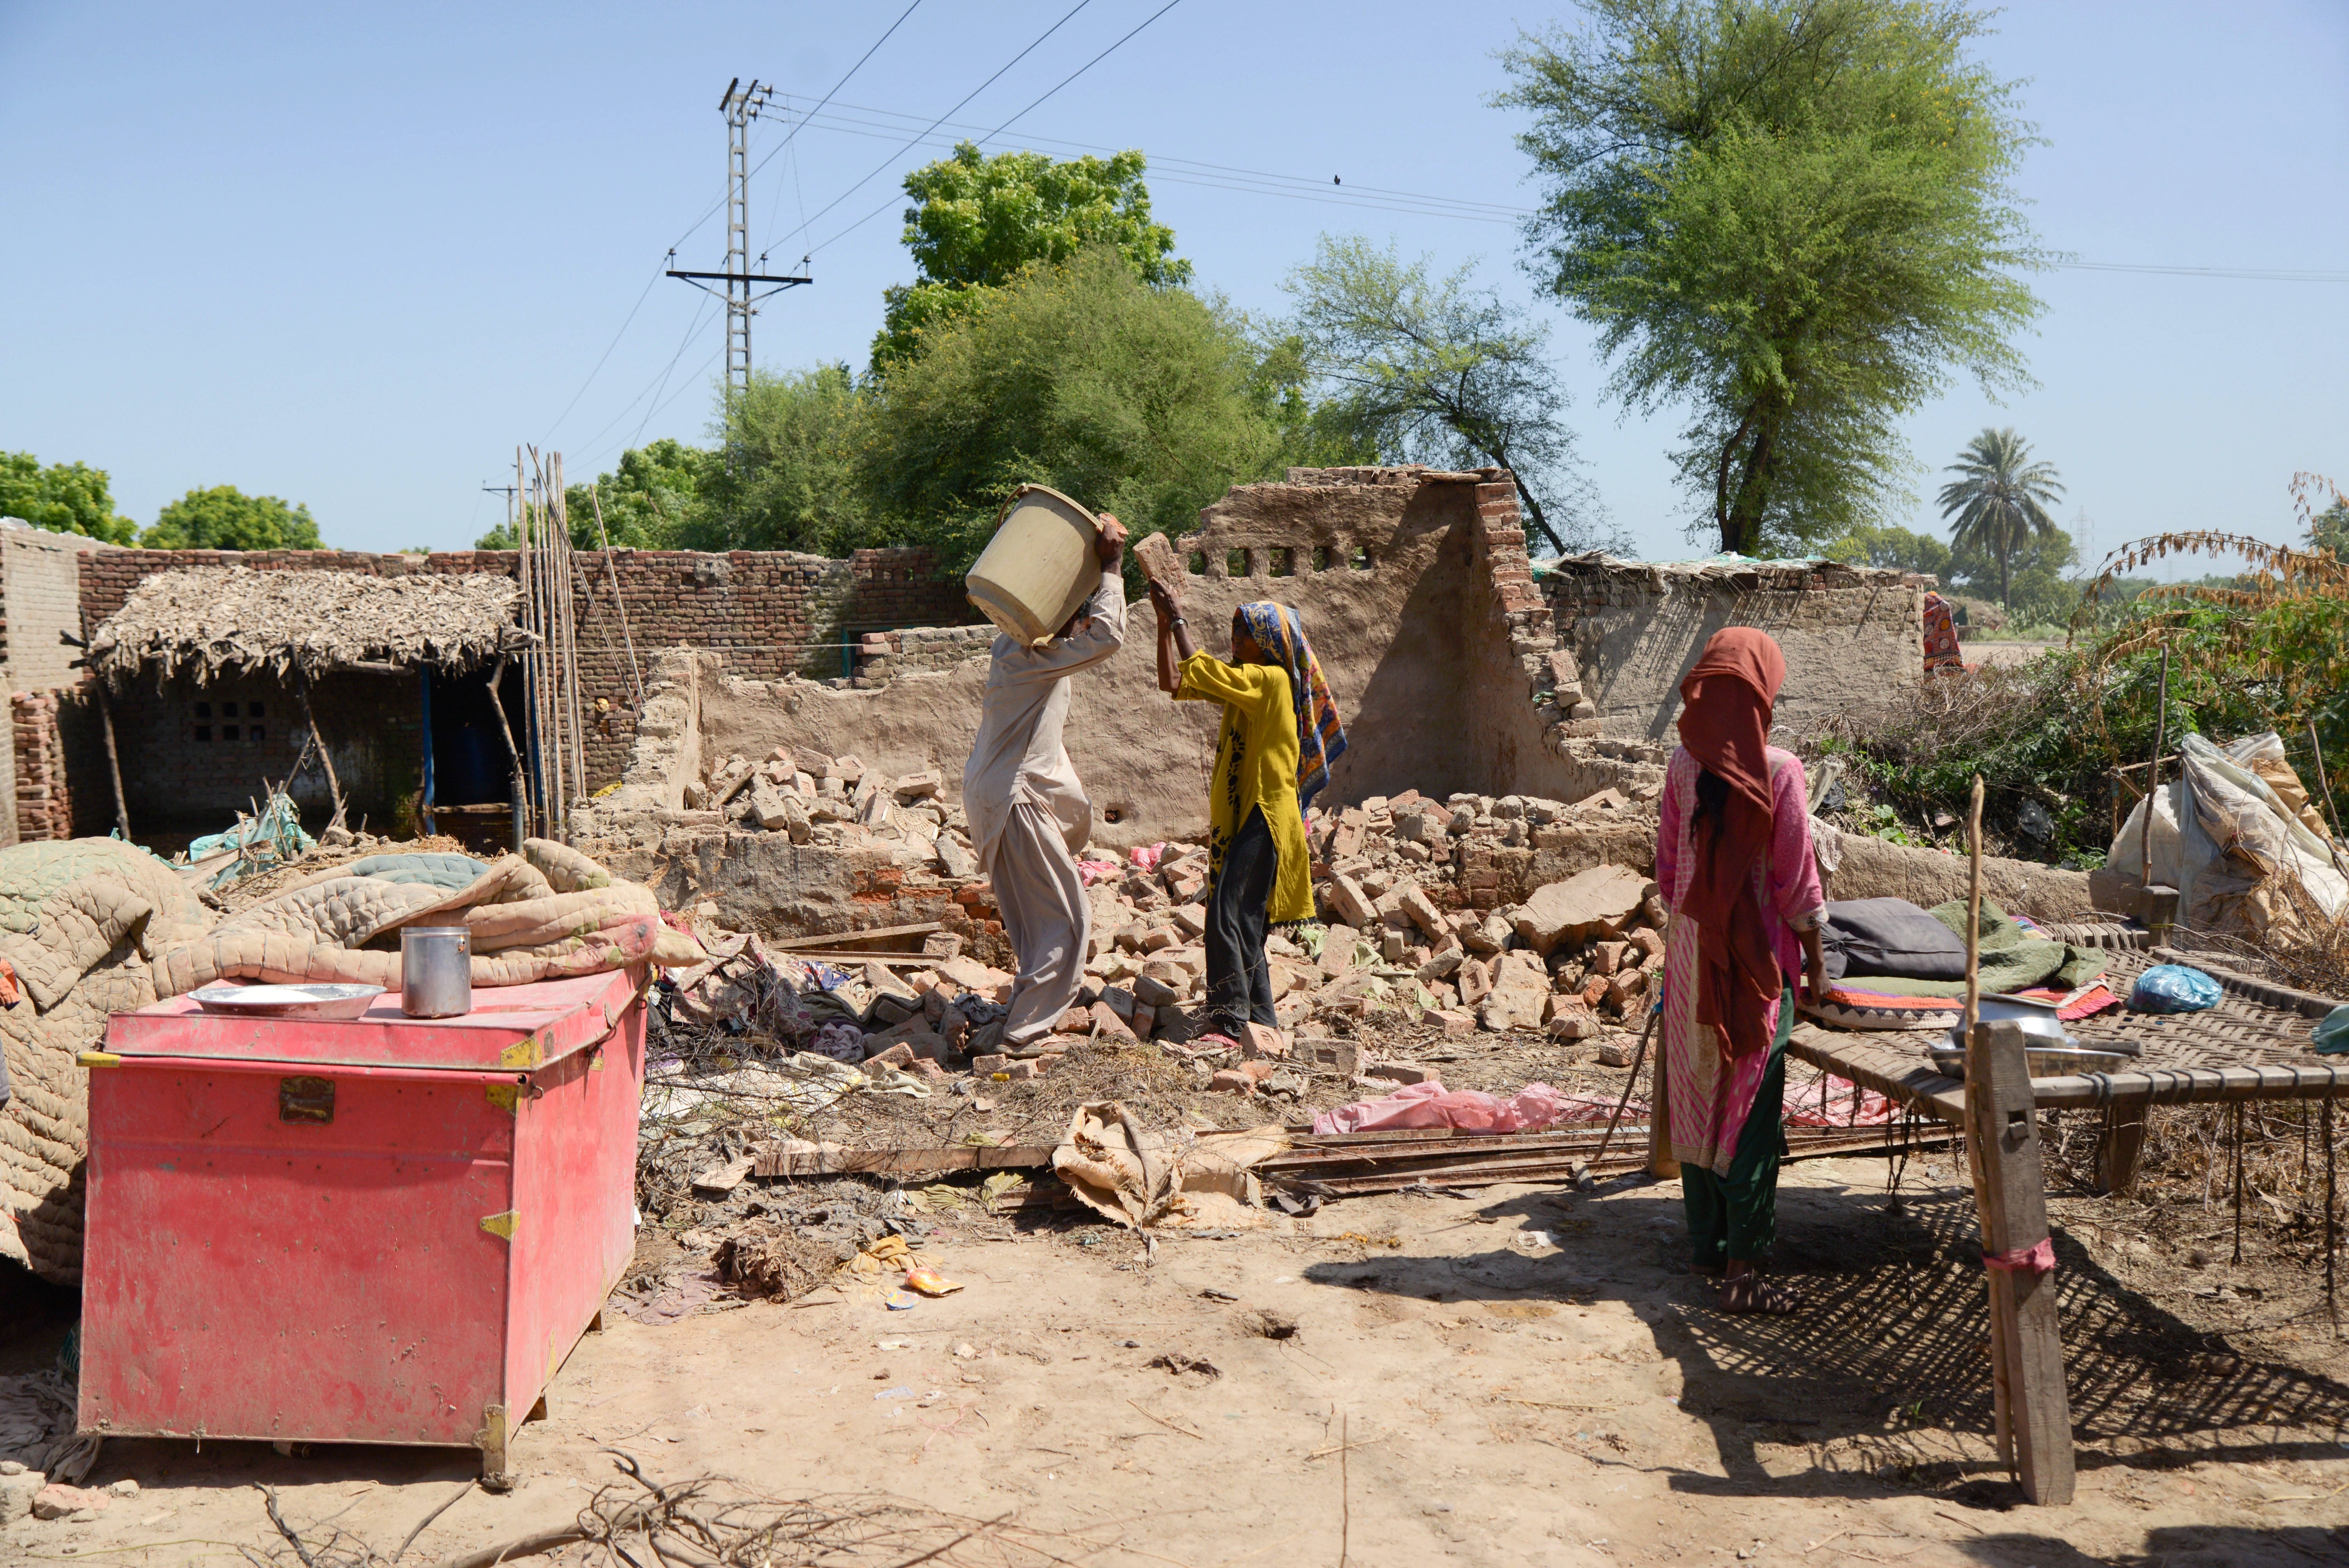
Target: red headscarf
column 1725, row 725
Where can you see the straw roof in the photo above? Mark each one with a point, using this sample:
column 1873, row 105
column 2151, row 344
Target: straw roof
column 211, row 620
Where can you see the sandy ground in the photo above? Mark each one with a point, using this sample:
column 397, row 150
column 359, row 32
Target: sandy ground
column 1523, row 1376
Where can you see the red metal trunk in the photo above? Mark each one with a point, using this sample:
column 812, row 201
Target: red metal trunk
column 386, row 1231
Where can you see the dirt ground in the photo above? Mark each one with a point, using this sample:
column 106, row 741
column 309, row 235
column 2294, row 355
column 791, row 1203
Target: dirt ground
column 1517, row 1376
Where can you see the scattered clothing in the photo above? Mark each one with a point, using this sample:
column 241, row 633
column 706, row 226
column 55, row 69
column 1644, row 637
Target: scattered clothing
column 1018, row 755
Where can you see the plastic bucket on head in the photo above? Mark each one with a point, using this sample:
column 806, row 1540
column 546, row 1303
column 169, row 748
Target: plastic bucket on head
column 1040, row 567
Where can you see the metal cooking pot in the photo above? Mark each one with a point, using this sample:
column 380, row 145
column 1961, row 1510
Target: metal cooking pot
column 436, row 970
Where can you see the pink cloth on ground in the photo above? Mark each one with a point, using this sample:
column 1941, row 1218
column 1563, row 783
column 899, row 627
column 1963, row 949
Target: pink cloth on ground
column 1531, row 1109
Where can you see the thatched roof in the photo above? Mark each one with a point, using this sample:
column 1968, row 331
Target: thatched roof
column 209, row 620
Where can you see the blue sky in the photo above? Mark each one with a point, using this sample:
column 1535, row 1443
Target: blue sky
column 352, row 256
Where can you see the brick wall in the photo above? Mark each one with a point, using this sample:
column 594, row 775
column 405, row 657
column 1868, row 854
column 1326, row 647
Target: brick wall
column 772, row 613
column 43, row 806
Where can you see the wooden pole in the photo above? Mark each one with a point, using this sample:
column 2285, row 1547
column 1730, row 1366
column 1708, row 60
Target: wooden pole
column 2152, row 777
column 513, row 753
column 2003, row 1128
column 113, row 760
column 2316, row 749
column 2001, row 1380
column 635, row 671
column 334, row 785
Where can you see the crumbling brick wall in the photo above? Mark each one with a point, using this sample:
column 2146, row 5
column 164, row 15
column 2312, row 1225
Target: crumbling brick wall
column 771, row 612
column 44, row 805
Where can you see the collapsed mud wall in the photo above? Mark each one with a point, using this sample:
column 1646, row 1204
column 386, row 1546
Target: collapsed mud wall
column 1455, row 670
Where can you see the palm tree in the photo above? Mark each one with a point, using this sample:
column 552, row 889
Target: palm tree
column 2000, row 503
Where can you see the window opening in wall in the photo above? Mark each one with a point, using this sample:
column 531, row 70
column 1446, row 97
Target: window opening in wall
column 1284, row 562
column 1320, row 558
column 204, row 710
column 254, row 732
column 204, row 731
column 228, row 732
column 1197, row 564
column 228, row 710
column 253, row 710
column 1235, row 562
column 1362, row 561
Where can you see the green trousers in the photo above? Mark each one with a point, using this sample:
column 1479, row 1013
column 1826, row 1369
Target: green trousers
column 1736, row 1215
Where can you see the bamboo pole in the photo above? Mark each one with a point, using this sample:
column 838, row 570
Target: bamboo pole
column 2153, row 778
column 635, row 671
column 334, row 785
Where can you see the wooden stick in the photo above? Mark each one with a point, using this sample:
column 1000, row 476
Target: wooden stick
column 636, row 672
column 2001, row 1380
column 2153, row 779
column 2316, row 747
column 334, row 785
column 113, row 760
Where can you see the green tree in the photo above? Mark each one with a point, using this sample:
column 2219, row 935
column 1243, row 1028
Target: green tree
column 1432, row 370
column 796, row 440
column 1791, row 217
column 225, row 518
column 64, row 498
column 978, row 222
column 651, row 500
column 1140, row 401
column 1888, row 546
column 2329, row 529
column 1997, row 506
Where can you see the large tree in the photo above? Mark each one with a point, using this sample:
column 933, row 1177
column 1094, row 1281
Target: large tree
column 1792, row 217
column 794, row 442
column 225, row 518
column 1138, row 400
column 977, row 221
column 1997, row 506
column 64, row 498
column 1432, row 370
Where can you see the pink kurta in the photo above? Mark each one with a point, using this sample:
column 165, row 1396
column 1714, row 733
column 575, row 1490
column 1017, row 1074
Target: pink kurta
column 1710, row 1095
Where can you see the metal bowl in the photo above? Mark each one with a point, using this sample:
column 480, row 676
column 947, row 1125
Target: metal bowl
column 2052, row 1061
column 330, row 1002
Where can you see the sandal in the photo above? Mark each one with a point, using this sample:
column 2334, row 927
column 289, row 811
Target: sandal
column 1752, row 1292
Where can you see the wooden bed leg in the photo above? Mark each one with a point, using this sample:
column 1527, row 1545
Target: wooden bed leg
column 2003, row 1126
column 2118, row 1149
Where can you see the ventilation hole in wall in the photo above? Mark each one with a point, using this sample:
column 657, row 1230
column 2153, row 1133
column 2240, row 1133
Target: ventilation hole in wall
column 1362, row 561
column 1235, row 562
column 1196, row 564
column 1113, row 814
column 204, row 710
column 253, row 710
column 1320, row 558
column 255, row 733
column 228, row 710
column 204, row 731
column 228, row 732
column 1284, row 562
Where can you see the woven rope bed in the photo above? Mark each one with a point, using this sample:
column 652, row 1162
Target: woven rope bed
column 2256, row 1044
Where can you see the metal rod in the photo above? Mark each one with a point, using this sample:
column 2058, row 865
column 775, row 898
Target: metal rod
column 1630, row 1079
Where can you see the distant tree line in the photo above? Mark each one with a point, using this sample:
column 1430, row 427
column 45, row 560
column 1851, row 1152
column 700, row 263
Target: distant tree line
column 74, row 498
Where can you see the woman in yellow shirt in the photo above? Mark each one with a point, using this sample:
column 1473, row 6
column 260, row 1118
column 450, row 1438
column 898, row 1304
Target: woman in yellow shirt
column 1280, row 734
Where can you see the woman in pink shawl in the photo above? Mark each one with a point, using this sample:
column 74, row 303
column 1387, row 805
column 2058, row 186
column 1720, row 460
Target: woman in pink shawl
column 1734, row 859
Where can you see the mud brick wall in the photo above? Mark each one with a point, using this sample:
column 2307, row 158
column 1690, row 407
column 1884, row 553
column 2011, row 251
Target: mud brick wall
column 1853, row 636
column 772, row 613
column 44, row 806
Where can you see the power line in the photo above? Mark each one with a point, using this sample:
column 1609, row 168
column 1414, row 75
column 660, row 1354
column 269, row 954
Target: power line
column 548, row 440
column 886, row 163
column 2261, row 274
column 1056, row 87
column 827, row 99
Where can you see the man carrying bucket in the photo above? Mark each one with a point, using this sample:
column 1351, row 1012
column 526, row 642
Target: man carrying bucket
column 1029, row 814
